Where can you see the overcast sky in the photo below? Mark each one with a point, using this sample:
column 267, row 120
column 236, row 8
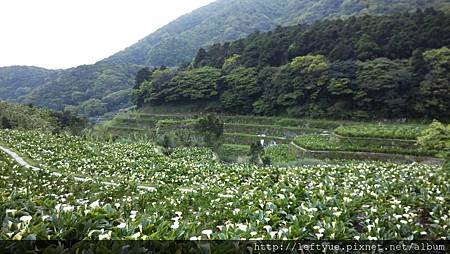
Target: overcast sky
column 67, row 33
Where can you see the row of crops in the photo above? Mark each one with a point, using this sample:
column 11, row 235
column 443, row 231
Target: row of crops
column 198, row 197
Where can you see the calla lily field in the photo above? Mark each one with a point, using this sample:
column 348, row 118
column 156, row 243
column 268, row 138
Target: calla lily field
column 195, row 196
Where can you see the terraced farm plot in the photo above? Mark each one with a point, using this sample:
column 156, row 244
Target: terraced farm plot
column 241, row 124
column 239, row 131
column 198, row 197
column 329, row 143
column 269, row 130
column 406, row 132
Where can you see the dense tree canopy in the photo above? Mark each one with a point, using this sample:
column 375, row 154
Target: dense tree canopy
column 358, row 67
column 434, row 90
column 363, row 38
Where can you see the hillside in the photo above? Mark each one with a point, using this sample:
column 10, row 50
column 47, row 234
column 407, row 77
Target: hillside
column 227, row 20
column 89, row 90
column 366, row 67
column 93, row 90
column 18, row 81
column 21, row 117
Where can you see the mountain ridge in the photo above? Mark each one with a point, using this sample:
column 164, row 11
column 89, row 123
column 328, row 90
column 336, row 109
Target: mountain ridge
column 105, row 86
column 278, row 13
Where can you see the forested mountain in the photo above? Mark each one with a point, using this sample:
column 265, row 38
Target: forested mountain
column 363, row 38
column 92, row 90
column 18, row 81
column 89, row 90
column 226, row 20
column 368, row 67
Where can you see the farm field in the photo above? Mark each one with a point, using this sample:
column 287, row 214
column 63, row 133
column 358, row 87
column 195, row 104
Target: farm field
column 405, row 131
column 195, row 195
column 311, row 134
column 329, row 143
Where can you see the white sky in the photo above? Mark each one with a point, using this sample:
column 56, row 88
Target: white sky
column 67, row 33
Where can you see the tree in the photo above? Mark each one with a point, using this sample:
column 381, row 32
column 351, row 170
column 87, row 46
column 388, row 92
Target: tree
column 138, row 94
column 68, row 122
column 342, row 51
column 367, row 48
column 6, row 123
column 154, row 90
column 211, row 127
column 266, row 104
column 314, row 71
column 437, row 137
column 419, row 65
column 94, row 107
column 382, row 87
column 231, row 62
column 307, row 77
column 309, row 63
column 434, row 91
column 241, row 90
column 256, row 153
column 200, row 58
column 193, row 85
column 143, row 74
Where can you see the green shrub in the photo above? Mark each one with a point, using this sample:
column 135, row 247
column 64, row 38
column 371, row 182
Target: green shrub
column 5, row 123
column 437, row 137
column 256, row 153
column 211, row 128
